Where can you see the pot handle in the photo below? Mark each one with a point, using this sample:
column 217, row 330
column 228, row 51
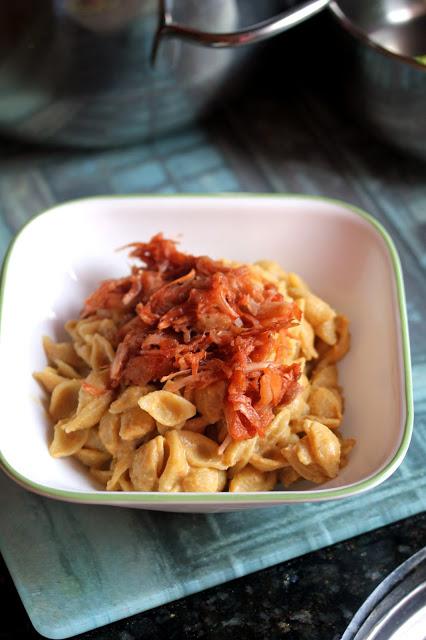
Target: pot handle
column 250, row 35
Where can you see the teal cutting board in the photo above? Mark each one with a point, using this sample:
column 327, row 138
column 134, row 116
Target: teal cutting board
column 79, row 567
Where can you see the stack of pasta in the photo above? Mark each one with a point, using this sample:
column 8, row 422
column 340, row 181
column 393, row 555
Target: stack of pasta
column 197, row 375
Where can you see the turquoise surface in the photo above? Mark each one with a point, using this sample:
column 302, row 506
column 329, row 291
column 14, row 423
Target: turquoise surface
column 79, row 567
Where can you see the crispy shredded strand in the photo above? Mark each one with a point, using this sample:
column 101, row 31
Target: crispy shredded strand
column 205, row 321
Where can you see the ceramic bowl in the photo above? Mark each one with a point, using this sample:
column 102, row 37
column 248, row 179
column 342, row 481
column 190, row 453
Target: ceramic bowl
column 342, row 252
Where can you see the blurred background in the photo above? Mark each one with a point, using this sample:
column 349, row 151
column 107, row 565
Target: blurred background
column 105, row 73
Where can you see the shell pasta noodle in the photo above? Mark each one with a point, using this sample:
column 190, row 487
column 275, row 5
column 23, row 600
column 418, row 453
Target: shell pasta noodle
column 197, row 375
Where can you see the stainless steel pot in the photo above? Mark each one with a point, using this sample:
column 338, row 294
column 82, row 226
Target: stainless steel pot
column 380, row 74
column 101, row 73
column 82, row 72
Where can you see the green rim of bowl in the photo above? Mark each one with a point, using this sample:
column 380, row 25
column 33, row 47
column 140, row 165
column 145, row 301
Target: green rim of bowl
column 267, row 497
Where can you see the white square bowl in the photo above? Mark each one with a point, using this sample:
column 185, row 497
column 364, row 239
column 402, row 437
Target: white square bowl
column 343, row 253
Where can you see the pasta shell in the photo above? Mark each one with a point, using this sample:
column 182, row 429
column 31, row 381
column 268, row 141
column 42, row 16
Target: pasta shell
column 325, row 447
column 101, row 475
column 209, row 401
column 49, row 378
column 176, row 467
column 109, row 427
column 84, row 351
column 200, row 451
column 168, row 408
column 119, row 466
column 296, row 285
column 288, row 476
column 326, row 377
column 64, row 399
column 163, row 428
column 197, row 424
column 60, row 351
column 102, row 353
column 346, row 446
column 128, row 398
column 125, row 483
column 337, row 351
column 204, row 480
column 307, row 339
column 269, row 461
column 135, row 423
column 90, row 414
column 147, row 465
column 251, row 479
column 324, row 402
column 71, row 327
column 273, row 268
column 66, row 444
column 327, row 331
column 65, row 369
column 238, row 454
column 289, row 348
column 299, row 406
column 317, row 310
column 92, row 457
column 300, row 458
column 278, row 432
column 94, row 441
